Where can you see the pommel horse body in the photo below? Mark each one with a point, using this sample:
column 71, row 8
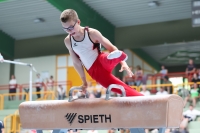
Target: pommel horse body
column 134, row 113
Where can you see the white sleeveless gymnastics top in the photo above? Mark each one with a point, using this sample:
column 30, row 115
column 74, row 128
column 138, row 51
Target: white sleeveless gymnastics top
column 86, row 50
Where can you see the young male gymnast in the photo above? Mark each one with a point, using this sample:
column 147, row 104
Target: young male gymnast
column 83, row 44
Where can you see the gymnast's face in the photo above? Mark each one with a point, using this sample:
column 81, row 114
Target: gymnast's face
column 191, row 61
column 12, row 77
column 71, row 27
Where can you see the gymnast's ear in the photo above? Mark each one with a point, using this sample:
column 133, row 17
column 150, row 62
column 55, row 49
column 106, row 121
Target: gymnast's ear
column 79, row 21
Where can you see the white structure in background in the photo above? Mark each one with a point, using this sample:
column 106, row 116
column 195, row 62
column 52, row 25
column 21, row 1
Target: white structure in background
column 23, row 64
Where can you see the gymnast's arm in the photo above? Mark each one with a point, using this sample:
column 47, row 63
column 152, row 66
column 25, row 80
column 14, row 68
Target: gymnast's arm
column 77, row 63
column 97, row 37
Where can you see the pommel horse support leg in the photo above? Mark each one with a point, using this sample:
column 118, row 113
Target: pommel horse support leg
column 134, row 113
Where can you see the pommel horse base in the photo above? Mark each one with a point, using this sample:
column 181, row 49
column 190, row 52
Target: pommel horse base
column 134, row 113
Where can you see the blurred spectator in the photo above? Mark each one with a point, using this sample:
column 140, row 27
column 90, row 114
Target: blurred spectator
column 129, row 80
column 90, row 88
column 92, row 131
column 39, row 83
column 124, row 130
column 91, row 95
column 12, row 87
column 191, row 114
column 188, row 116
column 198, row 73
column 162, row 91
column 1, row 127
column 169, row 89
column 153, row 91
column 190, row 70
column 82, row 94
column 144, row 91
column 50, row 83
column 61, row 92
column 112, row 131
column 144, row 81
column 183, row 92
column 71, row 131
column 193, row 95
column 138, row 75
column 195, row 79
column 98, row 88
column 163, row 72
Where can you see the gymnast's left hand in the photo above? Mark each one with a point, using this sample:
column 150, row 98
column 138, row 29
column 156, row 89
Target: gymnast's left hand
column 125, row 67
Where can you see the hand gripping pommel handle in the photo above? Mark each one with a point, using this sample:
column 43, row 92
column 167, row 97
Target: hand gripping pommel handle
column 117, row 87
column 78, row 88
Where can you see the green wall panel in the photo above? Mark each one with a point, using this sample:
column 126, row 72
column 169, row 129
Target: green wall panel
column 2, row 0
column 6, row 45
column 42, row 46
column 147, row 58
column 156, row 34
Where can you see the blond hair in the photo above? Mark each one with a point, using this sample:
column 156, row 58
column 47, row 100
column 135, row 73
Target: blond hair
column 68, row 15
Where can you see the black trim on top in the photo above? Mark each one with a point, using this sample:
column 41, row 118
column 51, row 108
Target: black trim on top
column 95, row 45
column 87, row 28
column 71, row 42
column 82, row 39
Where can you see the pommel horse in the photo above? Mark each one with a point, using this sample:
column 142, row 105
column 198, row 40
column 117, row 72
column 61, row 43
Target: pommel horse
column 134, row 113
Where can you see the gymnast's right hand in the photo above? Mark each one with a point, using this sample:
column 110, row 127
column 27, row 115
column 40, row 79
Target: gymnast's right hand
column 84, row 87
column 1, row 58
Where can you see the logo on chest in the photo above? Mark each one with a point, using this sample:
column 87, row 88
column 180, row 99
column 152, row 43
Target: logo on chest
column 75, row 45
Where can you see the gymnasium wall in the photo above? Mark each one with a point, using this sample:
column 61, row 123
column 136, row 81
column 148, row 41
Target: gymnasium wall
column 6, row 45
column 45, row 65
column 43, row 46
column 134, row 60
column 4, row 73
column 156, row 34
